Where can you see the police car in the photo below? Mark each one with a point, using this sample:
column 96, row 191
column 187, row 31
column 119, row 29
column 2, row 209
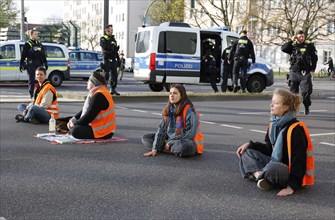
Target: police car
column 171, row 53
column 57, row 57
column 83, row 62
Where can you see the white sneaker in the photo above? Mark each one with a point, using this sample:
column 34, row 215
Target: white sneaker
column 264, row 185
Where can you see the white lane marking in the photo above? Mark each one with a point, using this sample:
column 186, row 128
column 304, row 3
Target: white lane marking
column 252, row 113
column 316, row 111
column 230, row 126
column 124, row 108
column 219, row 151
column 323, row 134
column 329, row 144
column 208, row 122
column 263, row 132
column 154, row 113
column 331, row 97
column 137, row 110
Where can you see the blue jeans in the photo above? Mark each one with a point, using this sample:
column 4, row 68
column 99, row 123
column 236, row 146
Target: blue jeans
column 34, row 111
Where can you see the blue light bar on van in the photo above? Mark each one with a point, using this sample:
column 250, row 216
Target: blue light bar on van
column 221, row 28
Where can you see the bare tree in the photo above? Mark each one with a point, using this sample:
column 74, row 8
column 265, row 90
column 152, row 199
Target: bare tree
column 284, row 17
column 91, row 35
column 8, row 13
column 53, row 19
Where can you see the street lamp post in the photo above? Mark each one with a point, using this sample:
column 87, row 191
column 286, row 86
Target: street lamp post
column 22, row 20
column 146, row 12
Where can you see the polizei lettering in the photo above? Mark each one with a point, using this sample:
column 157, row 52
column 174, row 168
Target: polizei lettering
column 183, row 66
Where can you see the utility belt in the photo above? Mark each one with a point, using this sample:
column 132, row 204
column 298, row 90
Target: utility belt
column 240, row 58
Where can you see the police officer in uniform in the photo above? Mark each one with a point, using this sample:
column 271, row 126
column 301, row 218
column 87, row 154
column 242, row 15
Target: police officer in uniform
column 111, row 57
column 32, row 56
column 302, row 65
column 227, row 67
column 241, row 50
column 209, row 66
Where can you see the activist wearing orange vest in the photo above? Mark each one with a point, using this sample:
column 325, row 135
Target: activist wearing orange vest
column 104, row 123
column 53, row 108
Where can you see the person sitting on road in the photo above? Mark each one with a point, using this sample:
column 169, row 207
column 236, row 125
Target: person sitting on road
column 179, row 131
column 44, row 102
column 286, row 159
column 97, row 118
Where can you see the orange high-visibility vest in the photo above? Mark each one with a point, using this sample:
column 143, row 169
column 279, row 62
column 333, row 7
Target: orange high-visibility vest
column 104, row 123
column 198, row 138
column 53, row 108
column 309, row 175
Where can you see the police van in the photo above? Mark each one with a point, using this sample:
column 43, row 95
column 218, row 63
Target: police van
column 171, row 53
column 57, row 57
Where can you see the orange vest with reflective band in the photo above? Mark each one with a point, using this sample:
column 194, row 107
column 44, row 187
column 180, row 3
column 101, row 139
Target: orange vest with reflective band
column 181, row 121
column 53, row 108
column 309, row 175
column 104, row 123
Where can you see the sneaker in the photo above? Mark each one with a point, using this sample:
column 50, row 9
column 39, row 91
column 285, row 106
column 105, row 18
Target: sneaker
column 243, row 91
column 114, row 93
column 19, row 118
column 235, row 89
column 306, row 110
column 251, row 178
column 264, row 185
column 34, row 120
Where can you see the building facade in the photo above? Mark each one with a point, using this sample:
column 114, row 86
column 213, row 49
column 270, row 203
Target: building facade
column 265, row 21
column 88, row 15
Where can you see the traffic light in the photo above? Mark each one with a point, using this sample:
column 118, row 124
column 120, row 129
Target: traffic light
column 61, row 36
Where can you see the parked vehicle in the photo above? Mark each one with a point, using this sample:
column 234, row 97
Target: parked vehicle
column 57, row 57
column 129, row 65
column 171, row 53
column 83, row 62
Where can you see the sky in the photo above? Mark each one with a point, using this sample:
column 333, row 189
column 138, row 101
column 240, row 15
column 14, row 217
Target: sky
column 39, row 10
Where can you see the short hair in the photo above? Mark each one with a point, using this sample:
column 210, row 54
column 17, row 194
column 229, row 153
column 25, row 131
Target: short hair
column 98, row 75
column 41, row 68
column 299, row 32
column 243, row 32
column 108, row 26
column 32, row 31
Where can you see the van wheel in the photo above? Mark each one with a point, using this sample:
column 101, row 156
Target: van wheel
column 255, row 83
column 56, row 79
column 156, row 87
column 167, row 86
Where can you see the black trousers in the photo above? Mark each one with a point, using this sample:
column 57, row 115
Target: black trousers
column 303, row 81
column 111, row 72
column 227, row 71
column 240, row 63
column 86, row 132
column 31, row 74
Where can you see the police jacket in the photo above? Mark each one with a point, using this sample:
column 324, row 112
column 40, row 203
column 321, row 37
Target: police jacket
column 109, row 47
column 225, row 55
column 303, row 55
column 243, row 47
column 33, row 50
column 298, row 153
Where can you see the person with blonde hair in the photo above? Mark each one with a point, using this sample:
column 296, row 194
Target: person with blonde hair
column 285, row 160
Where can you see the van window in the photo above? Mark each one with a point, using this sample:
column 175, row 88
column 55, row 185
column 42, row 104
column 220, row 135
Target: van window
column 142, row 44
column 230, row 39
column 177, row 42
column 54, row 52
column 8, row 51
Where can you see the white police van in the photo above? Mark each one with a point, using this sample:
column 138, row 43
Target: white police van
column 57, row 57
column 171, row 53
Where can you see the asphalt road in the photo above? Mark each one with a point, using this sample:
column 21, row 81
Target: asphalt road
column 114, row 181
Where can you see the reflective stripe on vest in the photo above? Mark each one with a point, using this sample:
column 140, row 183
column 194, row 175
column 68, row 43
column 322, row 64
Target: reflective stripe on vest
column 53, row 108
column 308, row 178
column 104, row 123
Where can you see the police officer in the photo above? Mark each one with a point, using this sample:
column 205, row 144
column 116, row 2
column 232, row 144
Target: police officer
column 241, row 50
column 209, row 66
column 302, row 65
column 111, row 57
column 32, row 56
column 227, row 67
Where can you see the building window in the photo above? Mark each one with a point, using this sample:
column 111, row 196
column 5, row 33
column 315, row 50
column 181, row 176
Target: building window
column 192, row 3
column 122, row 16
column 331, row 27
column 326, row 55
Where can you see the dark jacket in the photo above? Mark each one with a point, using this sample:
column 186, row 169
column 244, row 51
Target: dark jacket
column 109, row 47
column 243, row 47
column 34, row 51
column 303, row 55
column 225, row 56
column 299, row 147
